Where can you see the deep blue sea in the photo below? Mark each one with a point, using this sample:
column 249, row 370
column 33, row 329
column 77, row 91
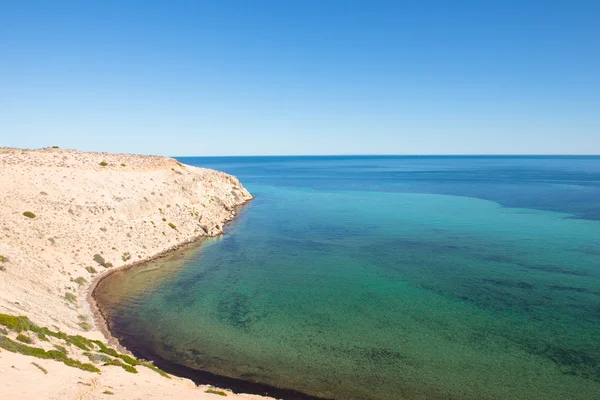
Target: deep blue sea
column 386, row 278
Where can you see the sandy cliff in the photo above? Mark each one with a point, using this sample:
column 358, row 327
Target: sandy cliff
column 67, row 217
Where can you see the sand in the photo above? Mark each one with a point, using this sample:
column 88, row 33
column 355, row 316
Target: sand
column 91, row 213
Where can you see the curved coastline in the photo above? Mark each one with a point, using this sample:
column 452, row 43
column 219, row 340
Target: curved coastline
column 199, row 377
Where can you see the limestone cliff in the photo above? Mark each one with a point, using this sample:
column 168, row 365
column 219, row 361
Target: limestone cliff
column 92, row 212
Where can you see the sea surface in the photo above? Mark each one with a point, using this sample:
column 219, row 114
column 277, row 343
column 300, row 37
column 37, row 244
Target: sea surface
column 385, row 278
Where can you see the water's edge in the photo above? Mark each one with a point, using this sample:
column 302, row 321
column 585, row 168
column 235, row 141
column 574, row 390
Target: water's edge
column 199, row 377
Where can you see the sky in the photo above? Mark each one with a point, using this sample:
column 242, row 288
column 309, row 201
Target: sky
column 288, row 77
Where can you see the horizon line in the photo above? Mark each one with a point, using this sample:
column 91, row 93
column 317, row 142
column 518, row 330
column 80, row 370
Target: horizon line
column 391, row 155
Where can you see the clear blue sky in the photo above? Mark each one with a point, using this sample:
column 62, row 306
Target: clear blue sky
column 257, row 77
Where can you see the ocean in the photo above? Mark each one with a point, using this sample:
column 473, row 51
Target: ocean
column 383, row 278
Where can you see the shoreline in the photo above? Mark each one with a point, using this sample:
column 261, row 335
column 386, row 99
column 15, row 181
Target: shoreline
column 199, row 377
column 100, row 320
column 72, row 218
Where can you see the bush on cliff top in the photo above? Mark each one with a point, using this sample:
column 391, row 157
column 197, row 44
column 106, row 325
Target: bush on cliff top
column 24, row 338
column 23, row 324
column 217, row 392
column 15, row 347
column 100, row 260
column 91, row 270
column 18, row 324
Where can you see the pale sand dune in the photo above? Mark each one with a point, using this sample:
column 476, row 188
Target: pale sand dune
column 118, row 214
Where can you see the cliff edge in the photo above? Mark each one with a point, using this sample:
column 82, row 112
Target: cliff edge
column 66, row 217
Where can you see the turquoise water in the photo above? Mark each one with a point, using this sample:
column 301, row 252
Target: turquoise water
column 387, row 278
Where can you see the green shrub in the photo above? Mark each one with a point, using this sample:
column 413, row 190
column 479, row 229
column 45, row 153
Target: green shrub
column 218, row 392
column 79, row 280
column 107, row 392
column 81, row 342
column 126, row 367
column 104, row 349
column 164, row 220
column 24, row 338
column 126, row 257
column 84, row 325
column 91, row 270
column 29, row 214
column 95, row 357
column 15, row 347
column 42, row 336
column 172, row 225
column 58, row 335
column 103, row 164
column 99, row 259
column 155, row 369
column 122, row 165
column 129, row 360
column 60, row 348
column 55, row 147
column 70, row 297
column 112, row 352
column 3, row 259
column 18, row 324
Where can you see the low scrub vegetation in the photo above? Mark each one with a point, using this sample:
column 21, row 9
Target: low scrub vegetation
column 118, row 363
column 103, row 163
column 95, row 350
column 16, row 347
column 80, row 280
column 18, row 324
column 84, row 326
column 29, row 214
column 24, row 338
column 60, row 348
column 217, row 392
column 155, row 369
column 91, row 270
column 100, row 260
column 70, row 297
column 96, row 358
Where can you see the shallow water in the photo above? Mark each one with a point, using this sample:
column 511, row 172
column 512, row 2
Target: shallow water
column 387, row 278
